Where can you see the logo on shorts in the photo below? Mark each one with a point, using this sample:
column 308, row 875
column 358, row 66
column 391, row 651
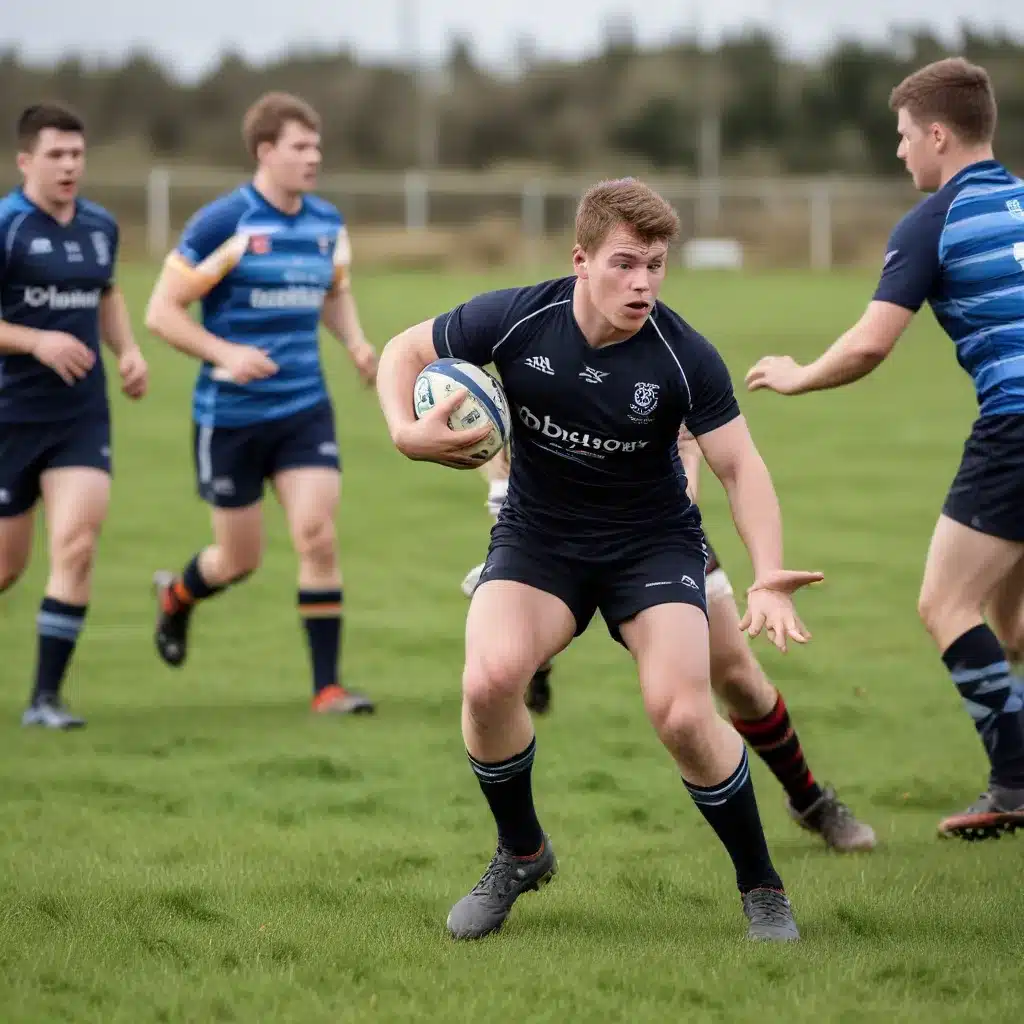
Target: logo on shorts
column 688, row 582
column 1016, row 211
column 328, row 448
column 223, row 485
column 645, row 398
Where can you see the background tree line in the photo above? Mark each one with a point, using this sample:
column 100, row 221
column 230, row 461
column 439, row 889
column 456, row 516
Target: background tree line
column 641, row 107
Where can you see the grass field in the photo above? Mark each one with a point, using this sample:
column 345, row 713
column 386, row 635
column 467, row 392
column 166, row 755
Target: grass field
column 207, row 851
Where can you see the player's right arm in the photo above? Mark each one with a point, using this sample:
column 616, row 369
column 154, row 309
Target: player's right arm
column 469, row 332
column 209, row 250
column 429, row 439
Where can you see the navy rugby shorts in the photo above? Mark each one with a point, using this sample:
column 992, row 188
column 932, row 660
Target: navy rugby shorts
column 232, row 463
column 987, row 493
column 663, row 567
column 28, row 450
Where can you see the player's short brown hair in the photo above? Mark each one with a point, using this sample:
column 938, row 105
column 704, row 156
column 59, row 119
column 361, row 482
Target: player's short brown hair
column 953, row 92
column 34, row 120
column 265, row 120
column 624, row 201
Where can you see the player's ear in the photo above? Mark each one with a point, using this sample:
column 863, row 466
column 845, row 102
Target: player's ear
column 23, row 160
column 579, row 261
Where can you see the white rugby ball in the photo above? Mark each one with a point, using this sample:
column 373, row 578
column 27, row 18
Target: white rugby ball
column 485, row 402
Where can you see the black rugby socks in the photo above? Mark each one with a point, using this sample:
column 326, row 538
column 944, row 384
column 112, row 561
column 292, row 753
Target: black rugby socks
column 509, row 792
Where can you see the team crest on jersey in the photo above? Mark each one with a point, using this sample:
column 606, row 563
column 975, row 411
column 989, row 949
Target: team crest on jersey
column 645, row 398
column 259, row 245
column 102, row 248
column 1013, row 205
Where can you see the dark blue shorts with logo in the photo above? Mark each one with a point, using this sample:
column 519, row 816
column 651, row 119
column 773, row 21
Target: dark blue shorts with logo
column 619, row 581
column 232, row 463
column 29, row 450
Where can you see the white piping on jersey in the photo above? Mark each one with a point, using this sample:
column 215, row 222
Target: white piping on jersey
column 550, row 305
column 12, row 232
column 675, row 359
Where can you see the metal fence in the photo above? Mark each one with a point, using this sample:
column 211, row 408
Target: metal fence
column 818, row 223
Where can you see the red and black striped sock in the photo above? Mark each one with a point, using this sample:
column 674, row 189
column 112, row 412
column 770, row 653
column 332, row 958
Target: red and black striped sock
column 775, row 741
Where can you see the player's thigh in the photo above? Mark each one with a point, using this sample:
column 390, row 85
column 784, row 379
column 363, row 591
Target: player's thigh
column 15, row 546
column 309, row 497
column 21, row 447
column 670, row 644
column 511, row 630
column 964, row 567
column 76, row 500
column 655, row 604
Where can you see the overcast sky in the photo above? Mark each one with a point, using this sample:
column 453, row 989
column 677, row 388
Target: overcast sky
column 189, row 34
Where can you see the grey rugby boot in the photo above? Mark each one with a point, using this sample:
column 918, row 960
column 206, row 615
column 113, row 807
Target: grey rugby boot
column 836, row 824
column 770, row 916
column 490, row 901
column 51, row 714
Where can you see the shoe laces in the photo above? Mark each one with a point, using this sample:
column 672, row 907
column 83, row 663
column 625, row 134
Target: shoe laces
column 500, row 876
column 771, row 906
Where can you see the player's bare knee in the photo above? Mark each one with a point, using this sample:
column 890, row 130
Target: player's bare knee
column 315, row 543
column 491, row 681
column 680, row 719
column 935, row 608
column 74, row 551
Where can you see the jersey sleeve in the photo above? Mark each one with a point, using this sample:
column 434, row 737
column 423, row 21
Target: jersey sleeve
column 473, row 330
column 712, row 399
column 210, row 246
column 911, row 266
column 115, row 245
column 342, row 257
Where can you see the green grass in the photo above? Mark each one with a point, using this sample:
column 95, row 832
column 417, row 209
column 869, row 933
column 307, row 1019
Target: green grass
column 207, row 851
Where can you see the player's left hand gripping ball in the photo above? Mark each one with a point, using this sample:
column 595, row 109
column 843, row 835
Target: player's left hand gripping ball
column 134, row 373
column 770, row 607
column 781, row 374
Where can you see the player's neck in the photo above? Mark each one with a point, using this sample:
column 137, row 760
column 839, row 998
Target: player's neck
column 62, row 213
column 964, row 159
column 287, row 202
column 593, row 325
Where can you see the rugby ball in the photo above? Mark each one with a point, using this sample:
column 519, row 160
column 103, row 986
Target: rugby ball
column 485, row 402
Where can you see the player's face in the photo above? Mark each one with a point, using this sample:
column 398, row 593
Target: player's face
column 624, row 276
column 919, row 151
column 54, row 166
column 294, row 160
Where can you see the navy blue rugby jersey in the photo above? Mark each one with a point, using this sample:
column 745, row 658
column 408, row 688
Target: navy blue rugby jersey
column 52, row 277
column 594, row 429
column 961, row 250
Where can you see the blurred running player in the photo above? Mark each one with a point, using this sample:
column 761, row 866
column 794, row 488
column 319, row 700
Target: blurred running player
column 756, row 708
column 961, row 250
column 600, row 376
column 58, row 301
column 269, row 262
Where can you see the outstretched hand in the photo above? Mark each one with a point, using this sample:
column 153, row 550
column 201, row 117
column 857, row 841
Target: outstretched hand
column 770, row 607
